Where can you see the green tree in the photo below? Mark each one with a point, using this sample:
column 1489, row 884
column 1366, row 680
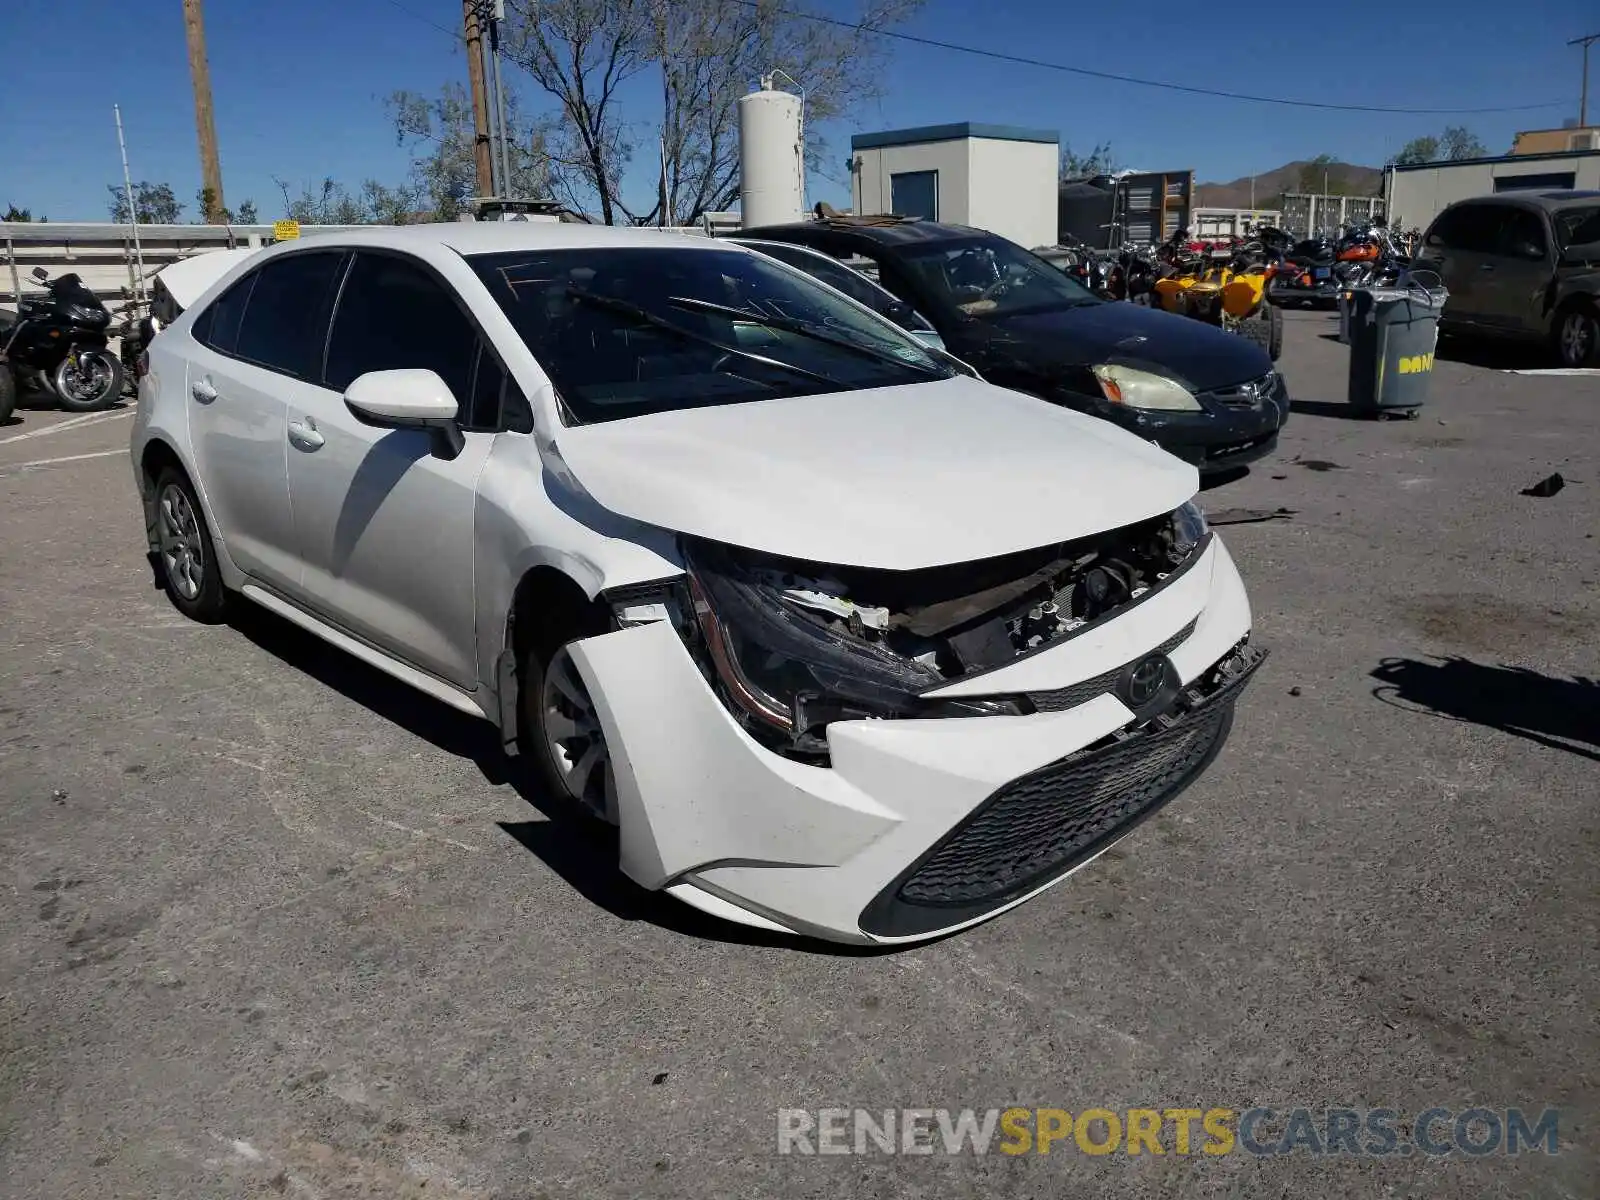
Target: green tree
column 13, row 213
column 1099, row 161
column 154, row 202
column 247, row 213
column 1453, row 145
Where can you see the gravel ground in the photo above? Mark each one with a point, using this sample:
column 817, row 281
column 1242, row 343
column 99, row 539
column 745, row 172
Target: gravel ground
column 278, row 926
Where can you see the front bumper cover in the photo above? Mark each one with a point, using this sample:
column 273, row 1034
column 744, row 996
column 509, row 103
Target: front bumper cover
column 725, row 824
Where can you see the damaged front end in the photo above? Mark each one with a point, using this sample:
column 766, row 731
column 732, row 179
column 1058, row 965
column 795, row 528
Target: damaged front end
column 793, row 646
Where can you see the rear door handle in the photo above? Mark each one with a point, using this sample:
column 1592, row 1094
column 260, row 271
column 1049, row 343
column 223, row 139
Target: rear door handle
column 203, row 391
column 304, row 434
column 1485, row 266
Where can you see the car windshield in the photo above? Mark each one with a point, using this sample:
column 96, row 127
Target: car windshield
column 1578, row 226
column 991, row 277
column 626, row 332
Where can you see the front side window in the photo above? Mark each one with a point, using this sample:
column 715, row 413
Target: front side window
column 628, row 331
column 1522, row 235
column 990, row 277
column 1471, row 227
column 394, row 314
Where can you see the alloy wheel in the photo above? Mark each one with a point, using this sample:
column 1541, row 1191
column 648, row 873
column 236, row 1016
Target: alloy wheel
column 183, row 555
column 85, row 379
column 574, row 739
column 1577, row 339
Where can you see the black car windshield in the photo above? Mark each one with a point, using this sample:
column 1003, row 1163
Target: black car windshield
column 1577, row 226
column 624, row 332
column 988, row 276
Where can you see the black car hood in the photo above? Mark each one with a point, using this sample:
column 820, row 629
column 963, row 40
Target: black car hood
column 1201, row 355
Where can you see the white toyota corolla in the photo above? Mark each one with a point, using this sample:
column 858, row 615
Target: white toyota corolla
column 845, row 641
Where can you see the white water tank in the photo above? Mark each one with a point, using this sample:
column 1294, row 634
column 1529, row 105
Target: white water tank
column 772, row 171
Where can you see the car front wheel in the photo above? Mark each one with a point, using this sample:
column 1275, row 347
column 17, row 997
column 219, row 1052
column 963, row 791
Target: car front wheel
column 1578, row 337
column 562, row 734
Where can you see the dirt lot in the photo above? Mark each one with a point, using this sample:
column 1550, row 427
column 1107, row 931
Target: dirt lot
column 278, row 926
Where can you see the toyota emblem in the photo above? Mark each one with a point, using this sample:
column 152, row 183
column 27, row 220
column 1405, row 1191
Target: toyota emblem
column 1142, row 681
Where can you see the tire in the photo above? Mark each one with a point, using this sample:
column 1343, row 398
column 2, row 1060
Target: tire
column 558, row 725
column 1274, row 317
column 8, row 393
column 106, row 370
column 186, row 559
column 1577, row 336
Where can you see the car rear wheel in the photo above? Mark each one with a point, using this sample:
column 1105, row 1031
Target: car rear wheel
column 1578, row 337
column 187, row 558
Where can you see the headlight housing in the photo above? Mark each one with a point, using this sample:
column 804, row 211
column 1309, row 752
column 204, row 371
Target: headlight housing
column 787, row 673
column 1188, row 526
column 1134, row 388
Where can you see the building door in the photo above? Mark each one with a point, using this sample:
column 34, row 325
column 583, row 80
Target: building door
column 915, row 194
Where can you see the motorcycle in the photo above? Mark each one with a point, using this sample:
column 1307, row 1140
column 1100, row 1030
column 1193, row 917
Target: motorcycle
column 1230, row 293
column 1307, row 273
column 59, row 344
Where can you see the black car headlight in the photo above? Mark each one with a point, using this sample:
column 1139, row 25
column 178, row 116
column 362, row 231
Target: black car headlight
column 787, row 672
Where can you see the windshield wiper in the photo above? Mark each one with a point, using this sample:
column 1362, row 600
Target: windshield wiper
column 803, row 328
column 644, row 316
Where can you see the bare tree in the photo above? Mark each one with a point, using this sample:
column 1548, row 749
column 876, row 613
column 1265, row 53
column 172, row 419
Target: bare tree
column 581, row 52
column 1099, row 161
column 708, row 53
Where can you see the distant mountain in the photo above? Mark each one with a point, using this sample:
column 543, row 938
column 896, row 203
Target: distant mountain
column 1344, row 179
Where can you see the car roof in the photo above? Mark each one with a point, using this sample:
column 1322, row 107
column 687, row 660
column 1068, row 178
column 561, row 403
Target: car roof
column 490, row 237
column 1549, row 201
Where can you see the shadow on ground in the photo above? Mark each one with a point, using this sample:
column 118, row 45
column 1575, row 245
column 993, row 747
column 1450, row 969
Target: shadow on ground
column 1335, row 409
column 1494, row 354
column 1563, row 714
column 578, row 848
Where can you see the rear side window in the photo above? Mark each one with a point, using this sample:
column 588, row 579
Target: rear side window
column 218, row 326
column 286, row 319
column 394, row 314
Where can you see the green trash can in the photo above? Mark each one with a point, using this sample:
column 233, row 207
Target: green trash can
column 1393, row 332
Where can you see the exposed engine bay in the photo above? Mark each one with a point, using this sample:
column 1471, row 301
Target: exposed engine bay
column 796, row 644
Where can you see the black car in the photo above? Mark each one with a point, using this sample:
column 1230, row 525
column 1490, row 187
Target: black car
column 1524, row 266
column 1205, row 395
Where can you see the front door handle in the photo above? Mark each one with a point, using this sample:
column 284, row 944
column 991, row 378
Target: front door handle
column 1485, row 266
column 203, row 391
column 304, row 434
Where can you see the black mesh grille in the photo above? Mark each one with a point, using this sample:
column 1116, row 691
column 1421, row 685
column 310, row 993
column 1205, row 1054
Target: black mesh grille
column 1085, row 690
column 1038, row 825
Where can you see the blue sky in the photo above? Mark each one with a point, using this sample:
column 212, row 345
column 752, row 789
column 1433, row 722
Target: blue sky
column 298, row 85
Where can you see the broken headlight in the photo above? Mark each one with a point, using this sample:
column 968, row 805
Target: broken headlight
column 1188, row 527
column 787, row 672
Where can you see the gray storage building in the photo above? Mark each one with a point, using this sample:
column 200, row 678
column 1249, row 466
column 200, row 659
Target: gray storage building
column 1416, row 194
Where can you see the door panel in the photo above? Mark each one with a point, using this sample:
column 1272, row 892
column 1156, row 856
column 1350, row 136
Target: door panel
column 237, row 418
column 385, row 528
column 385, row 532
column 1522, row 268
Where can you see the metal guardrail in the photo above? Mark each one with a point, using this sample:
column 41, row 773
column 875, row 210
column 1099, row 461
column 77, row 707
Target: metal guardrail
column 103, row 253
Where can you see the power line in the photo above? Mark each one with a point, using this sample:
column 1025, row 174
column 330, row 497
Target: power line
column 1020, row 60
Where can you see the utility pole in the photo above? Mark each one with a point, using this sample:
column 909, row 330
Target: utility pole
column 1583, row 104
column 194, row 27
column 480, row 99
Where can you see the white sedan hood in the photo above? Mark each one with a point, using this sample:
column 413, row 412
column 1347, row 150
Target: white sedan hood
column 895, row 478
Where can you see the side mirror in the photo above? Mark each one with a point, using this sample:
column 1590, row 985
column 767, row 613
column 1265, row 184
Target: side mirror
column 411, row 398
column 901, row 313
column 40, row 274
column 1530, row 251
